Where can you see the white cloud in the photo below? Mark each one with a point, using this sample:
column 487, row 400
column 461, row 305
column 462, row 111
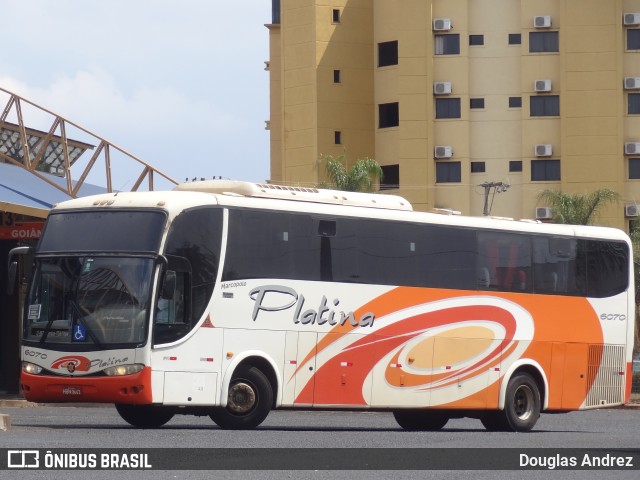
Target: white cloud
column 179, row 84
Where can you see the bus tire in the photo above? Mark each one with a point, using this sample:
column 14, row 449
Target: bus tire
column 420, row 420
column 521, row 406
column 144, row 416
column 249, row 402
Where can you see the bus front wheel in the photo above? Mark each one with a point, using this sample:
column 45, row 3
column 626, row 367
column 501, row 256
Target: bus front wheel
column 249, row 401
column 420, row 420
column 144, row 416
column 521, row 406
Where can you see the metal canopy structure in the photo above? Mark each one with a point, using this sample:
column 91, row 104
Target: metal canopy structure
column 49, row 150
column 49, row 158
column 25, row 194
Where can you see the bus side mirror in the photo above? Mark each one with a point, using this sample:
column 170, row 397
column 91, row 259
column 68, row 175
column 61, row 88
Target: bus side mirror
column 11, row 282
column 168, row 289
column 13, row 267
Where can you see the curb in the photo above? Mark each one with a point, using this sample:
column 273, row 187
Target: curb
column 16, row 403
column 5, row 423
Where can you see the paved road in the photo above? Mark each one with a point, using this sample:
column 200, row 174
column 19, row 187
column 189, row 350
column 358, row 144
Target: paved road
column 101, row 427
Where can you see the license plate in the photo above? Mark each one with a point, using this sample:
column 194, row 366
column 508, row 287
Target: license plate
column 71, row 391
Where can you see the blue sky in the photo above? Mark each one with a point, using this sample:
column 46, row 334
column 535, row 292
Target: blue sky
column 180, row 84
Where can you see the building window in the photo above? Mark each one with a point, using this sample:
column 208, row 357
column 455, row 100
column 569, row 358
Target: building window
column 476, row 103
column 447, row 108
column 633, row 39
column 477, row 167
column 545, row 106
column 476, row 39
column 275, row 12
column 447, row 44
column 543, row 42
column 515, row 166
column 448, row 172
column 390, row 177
column 634, row 168
column 388, row 53
column 515, row 102
column 545, row 170
column 337, row 137
column 515, row 39
column 634, row 103
column 335, row 15
column 388, row 115
column 337, row 76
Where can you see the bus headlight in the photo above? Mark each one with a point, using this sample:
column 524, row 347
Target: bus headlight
column 31, row 368
column 119, row 370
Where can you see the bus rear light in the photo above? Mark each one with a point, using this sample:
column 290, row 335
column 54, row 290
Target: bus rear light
column 120, row 370
column 31, row 368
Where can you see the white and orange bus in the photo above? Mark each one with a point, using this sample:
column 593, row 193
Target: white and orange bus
column 230, row 299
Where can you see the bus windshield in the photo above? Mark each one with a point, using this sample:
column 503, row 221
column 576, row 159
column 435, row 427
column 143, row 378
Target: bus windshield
column 90, row 300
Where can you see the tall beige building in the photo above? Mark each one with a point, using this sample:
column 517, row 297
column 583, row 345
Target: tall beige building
column 459, row 98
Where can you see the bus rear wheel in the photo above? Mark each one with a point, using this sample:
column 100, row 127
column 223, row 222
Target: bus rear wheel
column 144, row 416
column 420, row 420
column 522, row 406
column 249, row 401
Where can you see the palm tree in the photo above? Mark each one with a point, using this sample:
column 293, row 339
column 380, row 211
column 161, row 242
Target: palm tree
column 577, row 209
column 362, row 177
column 635, row 242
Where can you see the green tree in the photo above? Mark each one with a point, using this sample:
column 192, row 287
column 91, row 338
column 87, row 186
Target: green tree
column 577, row 209
column 361, row 177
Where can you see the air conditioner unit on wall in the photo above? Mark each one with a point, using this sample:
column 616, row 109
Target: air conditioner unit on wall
column 632, row 148
column 442, row 24
column 631, row 19
column 441, row 88
column 631, row 83
column 544, row 213
column 442, row 151
column 543, row 150
column 542, row 22
column 542, row 85
column 631, row 210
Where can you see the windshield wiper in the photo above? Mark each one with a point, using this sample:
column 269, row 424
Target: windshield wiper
column 81, row 316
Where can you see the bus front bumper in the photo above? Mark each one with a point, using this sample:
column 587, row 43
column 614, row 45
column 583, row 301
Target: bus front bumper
column 132, row 389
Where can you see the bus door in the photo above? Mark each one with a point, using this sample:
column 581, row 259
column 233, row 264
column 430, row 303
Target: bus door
column 298, row 382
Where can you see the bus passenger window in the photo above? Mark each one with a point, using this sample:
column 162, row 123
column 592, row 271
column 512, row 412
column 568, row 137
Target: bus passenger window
column 504, row 262
column 557, row 266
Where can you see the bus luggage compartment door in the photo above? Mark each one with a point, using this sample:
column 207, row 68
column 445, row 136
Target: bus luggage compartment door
column 190, row 388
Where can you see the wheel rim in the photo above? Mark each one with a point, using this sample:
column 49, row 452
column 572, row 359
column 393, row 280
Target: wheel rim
column 523, row 402
column 242, row 398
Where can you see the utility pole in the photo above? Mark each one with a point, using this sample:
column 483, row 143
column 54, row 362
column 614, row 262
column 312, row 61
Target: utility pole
column 497, row 187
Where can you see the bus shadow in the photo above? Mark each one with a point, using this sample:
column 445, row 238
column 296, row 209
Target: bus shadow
column 275, row 428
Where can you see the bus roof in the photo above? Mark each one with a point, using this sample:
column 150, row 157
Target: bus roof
column 318, row 202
